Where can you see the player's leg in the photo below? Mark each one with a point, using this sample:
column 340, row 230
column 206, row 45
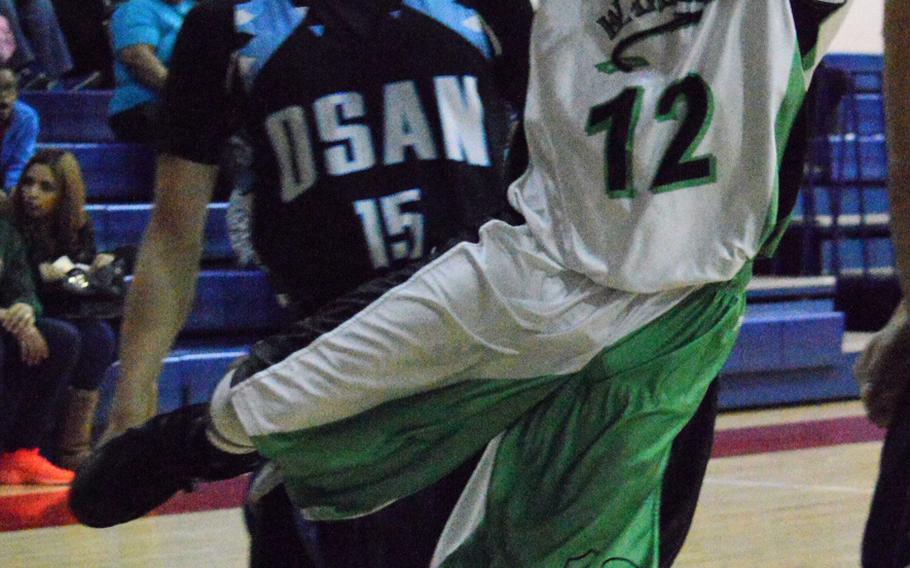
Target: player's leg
column 684, row 477
column 886, row 543
column 402, row 535
column 423, row 378
column 577, row 481
column 399, row 395
column 385, row 359
column 276, row 537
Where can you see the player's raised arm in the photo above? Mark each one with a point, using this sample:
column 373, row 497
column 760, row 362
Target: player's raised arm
column 198, row 120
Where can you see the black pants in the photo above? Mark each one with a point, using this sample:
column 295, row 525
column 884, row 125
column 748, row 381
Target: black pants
column 404, row 534
column 138, row 124
column 29, row 395
column 886, row 542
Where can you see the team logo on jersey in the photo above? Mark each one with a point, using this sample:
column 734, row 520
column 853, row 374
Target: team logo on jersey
column 686, row 13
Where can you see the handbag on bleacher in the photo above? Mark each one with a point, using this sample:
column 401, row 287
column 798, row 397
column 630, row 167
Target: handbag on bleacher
column 84, row 293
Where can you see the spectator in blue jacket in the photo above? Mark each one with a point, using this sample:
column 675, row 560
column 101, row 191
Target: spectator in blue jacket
column 18, row 130
column 144, row 33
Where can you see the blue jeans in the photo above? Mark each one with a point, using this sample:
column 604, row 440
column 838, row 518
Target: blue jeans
column 30, row 395
column 40, row 43
column 93, row 350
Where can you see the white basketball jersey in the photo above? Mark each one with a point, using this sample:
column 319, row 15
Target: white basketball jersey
column 655, row 130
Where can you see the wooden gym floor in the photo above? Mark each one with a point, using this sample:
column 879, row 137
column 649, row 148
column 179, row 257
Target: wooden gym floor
column 786, row 488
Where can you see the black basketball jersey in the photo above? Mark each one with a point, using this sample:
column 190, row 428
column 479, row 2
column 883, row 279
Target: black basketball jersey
column 377, row 128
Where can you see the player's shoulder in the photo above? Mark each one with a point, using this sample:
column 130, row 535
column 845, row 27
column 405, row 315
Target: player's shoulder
column 457, row 16
column 214, row 11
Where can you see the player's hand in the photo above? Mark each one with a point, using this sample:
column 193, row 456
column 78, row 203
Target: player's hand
column 131, row 407
column 18, row 318
column 32, row 346
column 883, row 369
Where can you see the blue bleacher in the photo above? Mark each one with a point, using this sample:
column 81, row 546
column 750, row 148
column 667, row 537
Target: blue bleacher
column 123, row 224
column 114, row 172
column 844, row 200
column 79, row 116
column 788, row 340
column 790, row 349
column 866, row 69
column 855, row 256
column 854, row 158
column 863, row 112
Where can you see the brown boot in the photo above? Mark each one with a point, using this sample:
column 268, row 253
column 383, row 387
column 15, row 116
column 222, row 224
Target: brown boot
column 74, row 444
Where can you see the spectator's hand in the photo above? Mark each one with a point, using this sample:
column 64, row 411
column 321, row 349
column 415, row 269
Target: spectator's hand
column 101, row 261
column 51, row 272
column 33, row 347
column 883, row 370
column 18, row 318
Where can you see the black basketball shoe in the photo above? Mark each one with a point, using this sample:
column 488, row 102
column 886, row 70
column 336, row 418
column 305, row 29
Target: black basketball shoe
column 144, row 467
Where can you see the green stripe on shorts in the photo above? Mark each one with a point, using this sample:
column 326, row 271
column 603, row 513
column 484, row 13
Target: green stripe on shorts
column 577, row 480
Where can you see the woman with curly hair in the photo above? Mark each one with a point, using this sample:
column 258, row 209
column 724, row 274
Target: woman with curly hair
column 48, row 207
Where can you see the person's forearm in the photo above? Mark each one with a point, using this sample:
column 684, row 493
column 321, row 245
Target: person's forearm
column 897, row 99
column 145, row 66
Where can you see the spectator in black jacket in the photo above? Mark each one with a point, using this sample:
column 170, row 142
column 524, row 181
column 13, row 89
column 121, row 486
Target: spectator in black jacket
column 49, row 209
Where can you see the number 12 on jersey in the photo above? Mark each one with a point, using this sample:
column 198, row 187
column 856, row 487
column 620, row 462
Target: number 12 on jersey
column 679, row 167
column 392, row 232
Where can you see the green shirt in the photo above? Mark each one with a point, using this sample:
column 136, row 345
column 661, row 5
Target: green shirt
column 17, row 285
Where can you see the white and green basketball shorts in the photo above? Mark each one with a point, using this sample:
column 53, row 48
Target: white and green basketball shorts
column 576, row 392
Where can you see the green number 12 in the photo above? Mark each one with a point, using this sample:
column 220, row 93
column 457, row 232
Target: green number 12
column 679, row 167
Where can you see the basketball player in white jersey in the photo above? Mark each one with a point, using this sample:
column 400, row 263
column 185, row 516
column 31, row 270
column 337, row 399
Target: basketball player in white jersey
column 573, row 347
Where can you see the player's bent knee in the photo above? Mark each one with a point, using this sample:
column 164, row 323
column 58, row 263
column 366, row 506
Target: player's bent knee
column 225, row 431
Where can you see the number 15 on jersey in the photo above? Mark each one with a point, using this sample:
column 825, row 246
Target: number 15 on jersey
column 392, row 227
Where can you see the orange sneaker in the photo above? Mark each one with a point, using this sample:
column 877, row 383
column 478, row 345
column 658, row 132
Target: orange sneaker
column 28, row 467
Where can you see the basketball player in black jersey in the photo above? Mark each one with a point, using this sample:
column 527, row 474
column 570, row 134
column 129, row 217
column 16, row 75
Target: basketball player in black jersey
column 378, row 131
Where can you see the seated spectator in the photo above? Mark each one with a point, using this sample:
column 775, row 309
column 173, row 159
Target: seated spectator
column 42, row 56
column 7, row 41
column 35, row 363
column 48, row 207
column 18, row 130
column 144, row 33
column 84, row 25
